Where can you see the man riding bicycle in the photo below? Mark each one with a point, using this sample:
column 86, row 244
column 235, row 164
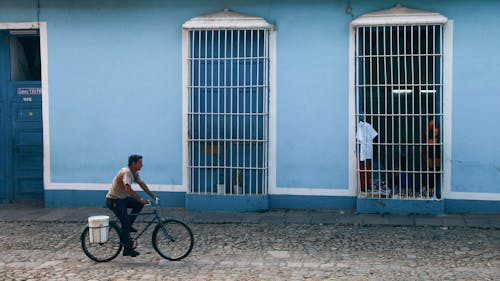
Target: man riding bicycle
column 121, row 196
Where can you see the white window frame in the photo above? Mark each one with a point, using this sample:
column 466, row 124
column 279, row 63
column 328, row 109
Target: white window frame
column 229, row 20
column 404, row 16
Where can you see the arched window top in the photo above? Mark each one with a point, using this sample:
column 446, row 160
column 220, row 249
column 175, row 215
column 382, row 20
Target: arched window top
column 399, row 15
column 227, row 20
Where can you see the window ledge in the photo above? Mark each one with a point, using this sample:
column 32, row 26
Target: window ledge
column 227, row 20
column 399, row 16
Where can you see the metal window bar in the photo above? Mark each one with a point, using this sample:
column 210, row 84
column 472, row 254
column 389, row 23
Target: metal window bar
column 228, row 92
column 398, row 91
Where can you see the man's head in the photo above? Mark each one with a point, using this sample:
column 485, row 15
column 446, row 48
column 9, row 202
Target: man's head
column 135, row 162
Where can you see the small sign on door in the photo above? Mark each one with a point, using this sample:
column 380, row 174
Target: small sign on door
column 29, row 91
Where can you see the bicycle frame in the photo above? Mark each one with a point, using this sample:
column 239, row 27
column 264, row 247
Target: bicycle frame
column 156, row 218
column 168, row 249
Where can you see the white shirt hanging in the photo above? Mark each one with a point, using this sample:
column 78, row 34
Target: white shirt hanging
column 365, row 136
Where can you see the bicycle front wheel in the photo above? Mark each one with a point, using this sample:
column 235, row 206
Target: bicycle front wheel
column 102, row 252
column 173, row 240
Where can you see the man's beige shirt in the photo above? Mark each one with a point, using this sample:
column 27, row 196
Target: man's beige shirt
column 124, row 176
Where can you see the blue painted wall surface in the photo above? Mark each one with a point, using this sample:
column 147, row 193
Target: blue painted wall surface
column 312, row 94
column 115, row 86
column 476, row 97
column 114, row 90
column 96, row 198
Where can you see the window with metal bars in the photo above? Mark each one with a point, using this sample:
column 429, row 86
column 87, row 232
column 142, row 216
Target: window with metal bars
column 399, row 112
column 228, row 95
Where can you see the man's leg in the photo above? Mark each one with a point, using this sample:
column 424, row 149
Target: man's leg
column 119, row 208
column 136, row 208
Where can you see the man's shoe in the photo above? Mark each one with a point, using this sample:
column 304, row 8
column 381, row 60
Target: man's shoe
column 131, row 229
column 130, row 253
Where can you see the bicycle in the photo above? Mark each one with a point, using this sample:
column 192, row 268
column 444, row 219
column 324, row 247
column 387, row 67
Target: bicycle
column 172, row 239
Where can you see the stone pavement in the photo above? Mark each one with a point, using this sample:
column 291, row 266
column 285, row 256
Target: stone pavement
column 43, row 244
column 10, row 212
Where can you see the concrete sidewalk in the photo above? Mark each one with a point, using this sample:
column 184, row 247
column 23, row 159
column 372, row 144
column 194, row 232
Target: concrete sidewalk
column 20, row 213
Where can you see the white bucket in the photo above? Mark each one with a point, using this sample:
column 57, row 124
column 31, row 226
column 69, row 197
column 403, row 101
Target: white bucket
column 98, row 229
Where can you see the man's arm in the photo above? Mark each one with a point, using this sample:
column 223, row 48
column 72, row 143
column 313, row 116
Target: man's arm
column 134, row 195
column 146, row 189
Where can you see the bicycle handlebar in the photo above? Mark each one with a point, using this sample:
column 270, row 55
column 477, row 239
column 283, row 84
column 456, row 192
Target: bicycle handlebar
column 154, row 203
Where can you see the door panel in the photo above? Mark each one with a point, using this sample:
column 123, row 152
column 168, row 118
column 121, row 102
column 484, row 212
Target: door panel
column 5, row 158
column 4, row 155
column 21, row 130
column 27, row 142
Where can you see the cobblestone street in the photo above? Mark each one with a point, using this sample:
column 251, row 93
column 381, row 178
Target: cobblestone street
column 36, row 250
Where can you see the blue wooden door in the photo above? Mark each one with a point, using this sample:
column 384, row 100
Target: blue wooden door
column 21, row 167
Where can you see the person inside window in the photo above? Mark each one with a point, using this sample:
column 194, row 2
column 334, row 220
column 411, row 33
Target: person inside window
column 433, row 156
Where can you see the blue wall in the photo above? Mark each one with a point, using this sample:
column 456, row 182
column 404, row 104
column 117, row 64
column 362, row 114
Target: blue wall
column 312, row 95
column 476, row 154
column 115, row 86
column 115, row 89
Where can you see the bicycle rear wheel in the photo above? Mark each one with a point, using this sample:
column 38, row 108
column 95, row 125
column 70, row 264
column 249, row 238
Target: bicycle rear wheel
column 102, row 252
column 173, row 240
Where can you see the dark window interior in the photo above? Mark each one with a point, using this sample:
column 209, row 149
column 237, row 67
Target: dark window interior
column 25, row 58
